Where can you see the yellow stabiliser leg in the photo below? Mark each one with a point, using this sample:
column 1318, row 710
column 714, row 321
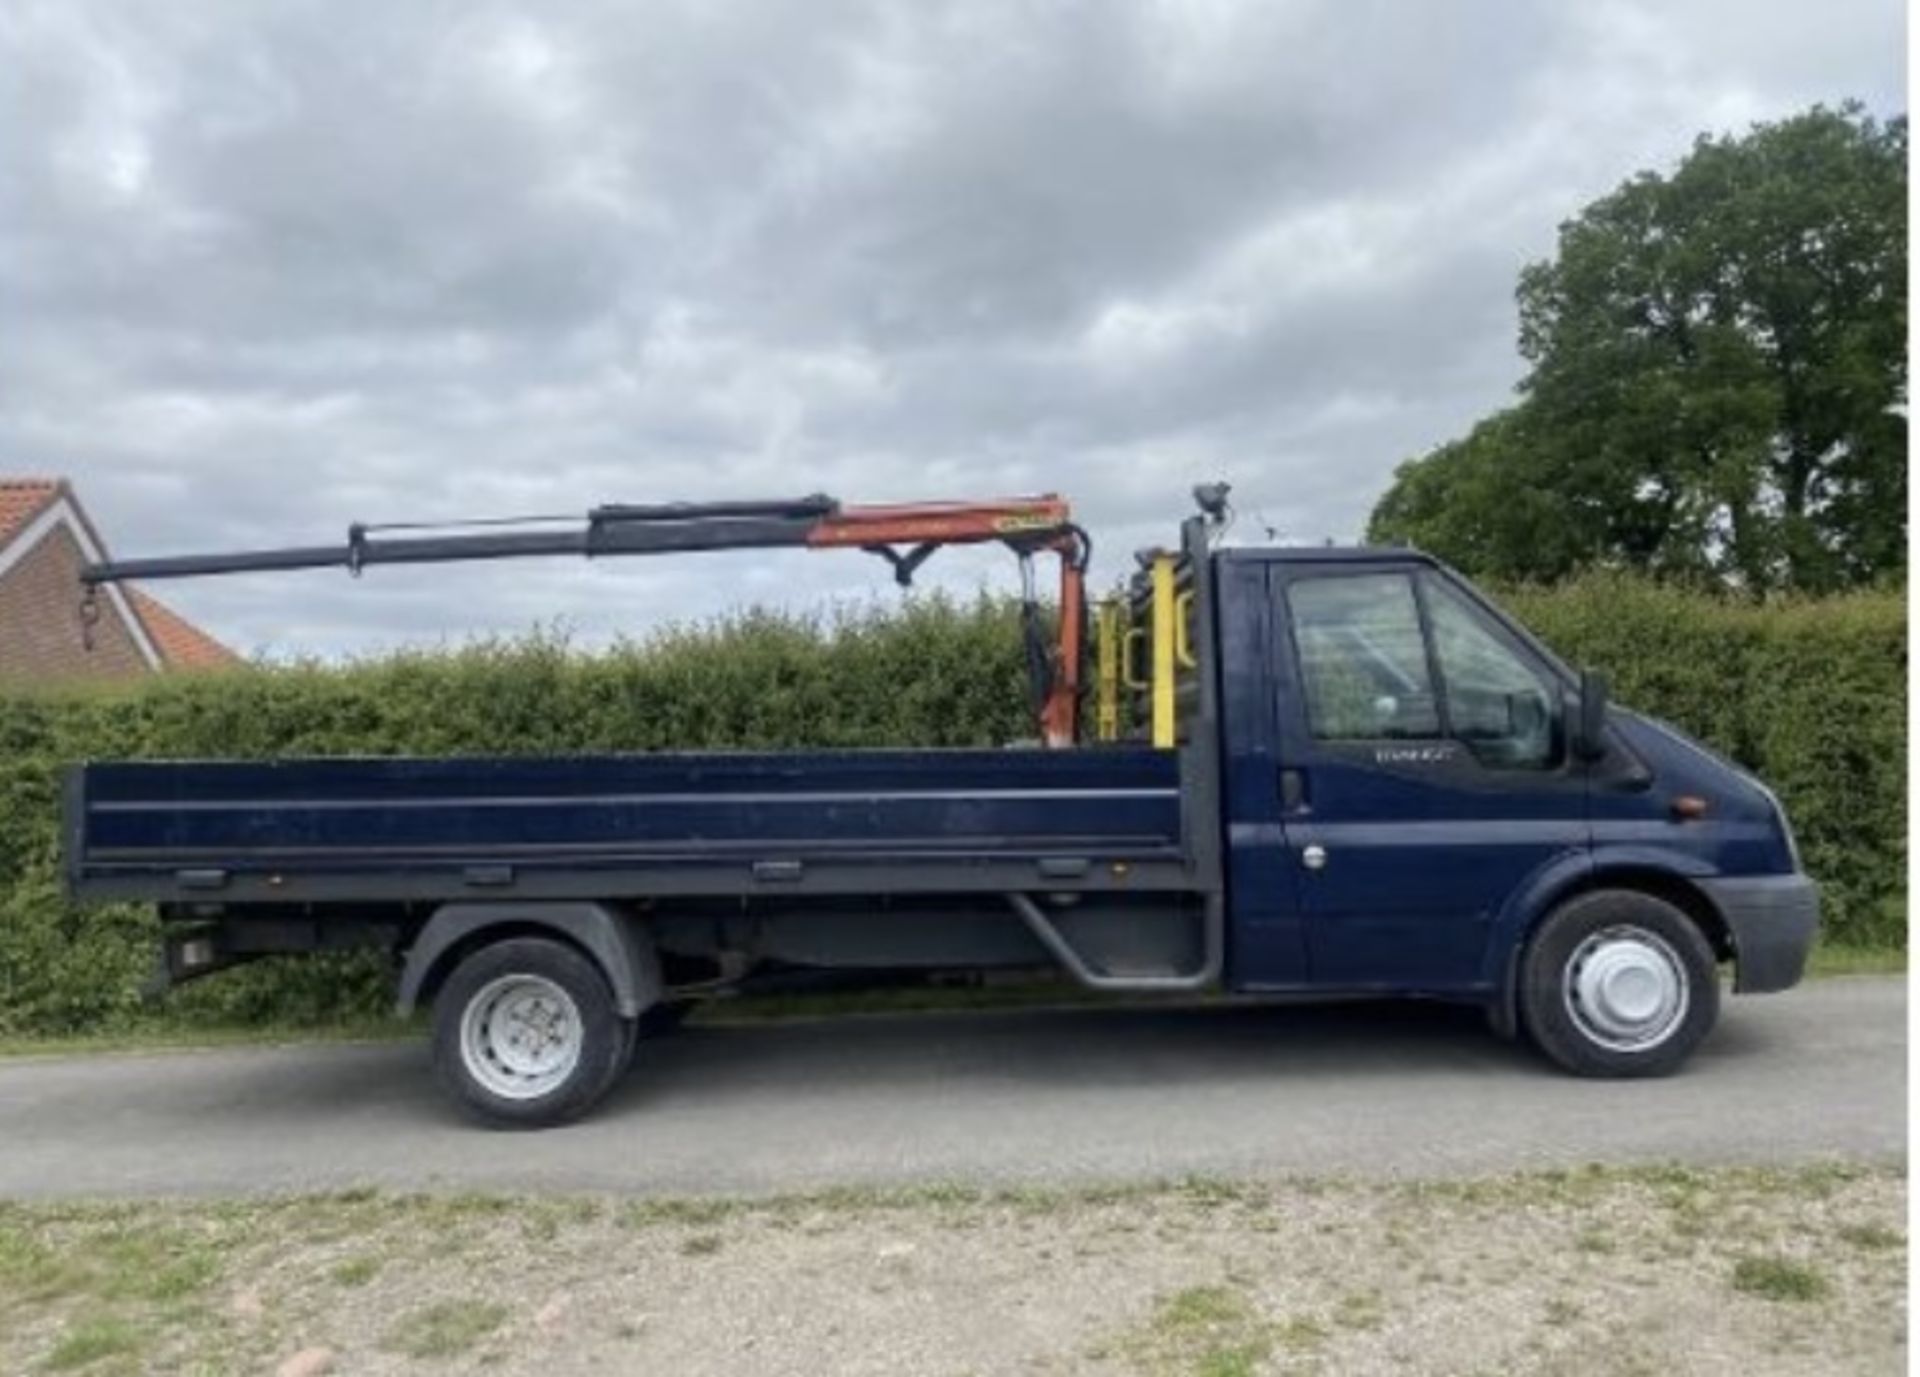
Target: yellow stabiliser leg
column 1163, row 650
column 1106, row 708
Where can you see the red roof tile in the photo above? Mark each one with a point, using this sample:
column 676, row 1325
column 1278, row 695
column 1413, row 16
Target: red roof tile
column 180, row 643
column 21, row 500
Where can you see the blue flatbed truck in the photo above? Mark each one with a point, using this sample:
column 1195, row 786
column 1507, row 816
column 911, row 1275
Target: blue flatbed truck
column 1362, row 778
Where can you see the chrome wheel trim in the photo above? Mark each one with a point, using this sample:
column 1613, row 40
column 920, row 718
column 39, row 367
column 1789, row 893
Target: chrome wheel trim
column 1626, row 989
column 521, row 1036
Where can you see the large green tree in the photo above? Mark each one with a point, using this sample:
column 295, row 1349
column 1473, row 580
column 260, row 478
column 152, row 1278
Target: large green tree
column 1718, row 378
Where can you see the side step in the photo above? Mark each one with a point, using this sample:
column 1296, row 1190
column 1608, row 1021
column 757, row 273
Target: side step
column 1213, row 950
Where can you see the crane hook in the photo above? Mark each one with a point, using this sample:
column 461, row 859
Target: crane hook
column 89, row 615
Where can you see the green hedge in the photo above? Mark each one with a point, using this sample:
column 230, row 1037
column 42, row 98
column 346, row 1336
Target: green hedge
column 1811, row 695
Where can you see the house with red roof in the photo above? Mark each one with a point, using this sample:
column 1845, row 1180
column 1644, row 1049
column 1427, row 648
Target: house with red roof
column 46, row 538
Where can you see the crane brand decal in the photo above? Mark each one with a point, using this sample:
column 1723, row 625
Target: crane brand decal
column 1023, row 521
column 1415, row 755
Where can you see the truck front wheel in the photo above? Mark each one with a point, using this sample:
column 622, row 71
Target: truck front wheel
column 1619, row 983
column 525, row 1034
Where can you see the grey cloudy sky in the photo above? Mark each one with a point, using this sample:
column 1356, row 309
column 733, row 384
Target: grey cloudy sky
column 266, row 269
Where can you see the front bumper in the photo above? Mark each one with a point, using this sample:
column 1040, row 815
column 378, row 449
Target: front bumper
column 1773, row 919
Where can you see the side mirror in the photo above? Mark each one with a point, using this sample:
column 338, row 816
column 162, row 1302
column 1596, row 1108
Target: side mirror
column 1590, row 716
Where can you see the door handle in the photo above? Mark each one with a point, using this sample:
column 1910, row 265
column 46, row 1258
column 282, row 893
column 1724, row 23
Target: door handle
column 1314, row 857
column 1293, row 789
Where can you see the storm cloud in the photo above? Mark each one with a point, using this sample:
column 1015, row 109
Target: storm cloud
column 269, row 269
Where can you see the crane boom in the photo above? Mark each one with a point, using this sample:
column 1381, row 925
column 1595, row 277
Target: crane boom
column 904, row 534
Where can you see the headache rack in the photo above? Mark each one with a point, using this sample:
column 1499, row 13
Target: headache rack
column 1148, row 679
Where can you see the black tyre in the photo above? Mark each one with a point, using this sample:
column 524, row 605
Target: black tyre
column 665, row 1017
column 656, row 1021
column 623, row 1061
column 1618, row 983
column 525, row 1034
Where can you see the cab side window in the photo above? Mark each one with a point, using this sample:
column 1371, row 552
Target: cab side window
column 1363, row 658
column 1499, row 704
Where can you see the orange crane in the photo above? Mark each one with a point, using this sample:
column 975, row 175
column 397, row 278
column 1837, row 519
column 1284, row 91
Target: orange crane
column 1024, row 524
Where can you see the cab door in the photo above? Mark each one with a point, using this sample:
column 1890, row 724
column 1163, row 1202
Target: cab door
column 1425, row 769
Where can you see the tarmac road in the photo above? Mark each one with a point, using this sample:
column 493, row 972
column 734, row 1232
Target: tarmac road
column 1032, row 1096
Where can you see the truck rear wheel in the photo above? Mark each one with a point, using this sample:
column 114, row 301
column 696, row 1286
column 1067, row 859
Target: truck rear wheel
column 525, row 1034
column 1619, row 983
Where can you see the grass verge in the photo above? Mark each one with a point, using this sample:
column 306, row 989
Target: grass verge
column 163, row 1035
column 1765, row 1271
column 1829, row 960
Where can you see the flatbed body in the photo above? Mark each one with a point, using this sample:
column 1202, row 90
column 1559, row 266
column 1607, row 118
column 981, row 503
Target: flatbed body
column 614, row 827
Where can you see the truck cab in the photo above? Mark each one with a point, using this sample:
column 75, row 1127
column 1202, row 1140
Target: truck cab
column 1415, row 786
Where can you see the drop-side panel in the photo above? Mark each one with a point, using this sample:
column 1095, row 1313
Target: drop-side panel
column 405, row 829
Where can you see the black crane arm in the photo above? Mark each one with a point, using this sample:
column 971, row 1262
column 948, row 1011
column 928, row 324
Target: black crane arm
column 609, row 530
